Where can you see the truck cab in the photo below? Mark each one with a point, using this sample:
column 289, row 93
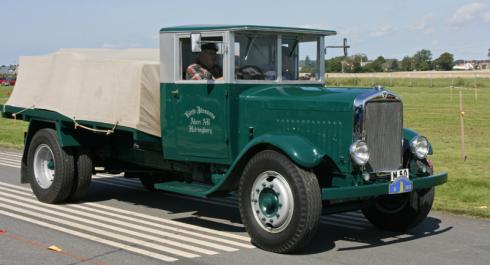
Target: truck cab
column 244, row 111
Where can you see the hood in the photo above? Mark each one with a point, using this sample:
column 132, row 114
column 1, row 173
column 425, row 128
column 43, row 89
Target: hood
column 304, row 97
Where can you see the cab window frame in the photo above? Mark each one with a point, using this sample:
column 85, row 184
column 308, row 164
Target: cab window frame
column 180, row 77
column 279, row 35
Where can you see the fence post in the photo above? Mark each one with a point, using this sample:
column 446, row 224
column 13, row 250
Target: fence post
column 461, row 115
column 476, row 89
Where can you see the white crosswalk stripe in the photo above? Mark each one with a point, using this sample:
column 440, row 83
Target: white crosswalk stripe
column 90, row 237
column 102, row 227
column 147, row 235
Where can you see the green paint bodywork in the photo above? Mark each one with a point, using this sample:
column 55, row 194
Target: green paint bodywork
column 379, row 188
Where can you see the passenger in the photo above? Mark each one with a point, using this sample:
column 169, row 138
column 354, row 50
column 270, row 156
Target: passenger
column 205, row 67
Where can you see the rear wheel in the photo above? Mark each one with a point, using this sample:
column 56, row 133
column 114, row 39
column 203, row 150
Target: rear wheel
column 83, row 175
column 400, row 212
column 280, row 203
column 50, row 168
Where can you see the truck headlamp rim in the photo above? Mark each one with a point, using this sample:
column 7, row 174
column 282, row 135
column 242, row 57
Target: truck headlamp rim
column 419, row 146
column 359, row 152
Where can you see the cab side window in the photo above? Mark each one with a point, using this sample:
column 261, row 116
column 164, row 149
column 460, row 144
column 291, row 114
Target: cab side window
column 204, row 65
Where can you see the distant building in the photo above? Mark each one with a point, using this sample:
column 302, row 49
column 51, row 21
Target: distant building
column 10, row 69
column 464, row 66
column 483, row 65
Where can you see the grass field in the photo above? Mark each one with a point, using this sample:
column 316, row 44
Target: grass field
column 429, row 110
column 11, row 131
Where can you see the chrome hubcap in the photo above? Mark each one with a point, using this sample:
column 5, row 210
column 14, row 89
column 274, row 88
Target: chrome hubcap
column 44, row 165
column 272, row 201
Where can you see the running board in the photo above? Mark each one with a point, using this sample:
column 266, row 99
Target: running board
column 192, row 189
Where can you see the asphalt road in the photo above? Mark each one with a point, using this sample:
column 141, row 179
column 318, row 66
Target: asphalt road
column 122, row 223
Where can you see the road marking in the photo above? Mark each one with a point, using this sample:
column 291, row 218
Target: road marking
column 10, row 165
column 125, row 215
column 129, row 225
column 111, row 182
column 9, row 159
column 345, row 220
column 53, row 216
column 92, row 238
column 11, row 154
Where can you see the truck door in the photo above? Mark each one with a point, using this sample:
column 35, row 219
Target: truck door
column 200, row 109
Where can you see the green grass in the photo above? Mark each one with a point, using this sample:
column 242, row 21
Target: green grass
column 410, row 82
column 11, row 131
column 430, row 111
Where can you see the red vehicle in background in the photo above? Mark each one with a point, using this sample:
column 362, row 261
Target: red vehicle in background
column 7, row 81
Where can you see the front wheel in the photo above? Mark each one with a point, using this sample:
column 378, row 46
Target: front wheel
column 400, row 212
column 280, row 203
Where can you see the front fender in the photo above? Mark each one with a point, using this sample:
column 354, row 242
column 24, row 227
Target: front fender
column 297, row 148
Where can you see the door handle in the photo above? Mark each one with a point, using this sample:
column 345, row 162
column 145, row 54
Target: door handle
column 175, row 93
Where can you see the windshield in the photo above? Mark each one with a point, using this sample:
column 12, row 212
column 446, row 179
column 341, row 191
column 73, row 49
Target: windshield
column 300, row 58
column 255, row 57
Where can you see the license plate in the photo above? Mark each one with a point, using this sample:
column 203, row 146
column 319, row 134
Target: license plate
column 400, row 181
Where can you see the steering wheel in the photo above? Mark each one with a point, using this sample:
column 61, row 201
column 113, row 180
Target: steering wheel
column 250, row 72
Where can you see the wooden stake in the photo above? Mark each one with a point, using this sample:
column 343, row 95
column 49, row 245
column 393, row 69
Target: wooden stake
column 476, row 90
column 451, row 89
column 461, row 115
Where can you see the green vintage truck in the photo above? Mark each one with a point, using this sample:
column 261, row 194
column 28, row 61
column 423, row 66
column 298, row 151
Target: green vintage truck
column 260, row 129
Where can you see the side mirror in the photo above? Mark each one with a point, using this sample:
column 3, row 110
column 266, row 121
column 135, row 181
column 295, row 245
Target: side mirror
column 196, row 42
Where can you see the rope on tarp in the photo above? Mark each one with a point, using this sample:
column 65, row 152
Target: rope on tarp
column 14, row 115
column 106, row 132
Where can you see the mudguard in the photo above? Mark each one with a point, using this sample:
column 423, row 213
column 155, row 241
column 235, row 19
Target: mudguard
column 298, row 149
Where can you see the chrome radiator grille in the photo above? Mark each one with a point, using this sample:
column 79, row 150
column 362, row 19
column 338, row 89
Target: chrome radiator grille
column 383, row 126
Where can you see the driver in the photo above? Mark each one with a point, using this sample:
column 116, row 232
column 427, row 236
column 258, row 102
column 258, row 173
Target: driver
column 205, row 67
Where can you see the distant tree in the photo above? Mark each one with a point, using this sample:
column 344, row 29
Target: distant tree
column 406, row 64
column 394, row 65
column 423, row 60
column 334, row 65
column 356, row 61
column 391, row 65
column 308, row 66
column 444, row 62
column 376, row 65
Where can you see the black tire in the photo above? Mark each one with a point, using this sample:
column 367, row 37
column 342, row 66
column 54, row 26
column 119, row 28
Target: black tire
column 400, row 212
column 149, row 182
column 83, row 175
column 63, row 176
column 298, row 232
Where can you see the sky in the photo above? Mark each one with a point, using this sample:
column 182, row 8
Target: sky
column 390, row 28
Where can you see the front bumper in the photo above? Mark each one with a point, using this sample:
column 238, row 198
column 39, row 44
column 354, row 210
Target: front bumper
column 355, row 192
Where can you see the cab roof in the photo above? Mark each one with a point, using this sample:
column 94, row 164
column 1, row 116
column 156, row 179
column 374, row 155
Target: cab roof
column 192, row 28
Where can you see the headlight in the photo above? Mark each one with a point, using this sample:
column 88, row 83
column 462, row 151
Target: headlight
column 359, row 152
column 419, row 147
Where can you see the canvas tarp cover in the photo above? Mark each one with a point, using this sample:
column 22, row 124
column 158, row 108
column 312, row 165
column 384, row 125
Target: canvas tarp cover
column 113, row 86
